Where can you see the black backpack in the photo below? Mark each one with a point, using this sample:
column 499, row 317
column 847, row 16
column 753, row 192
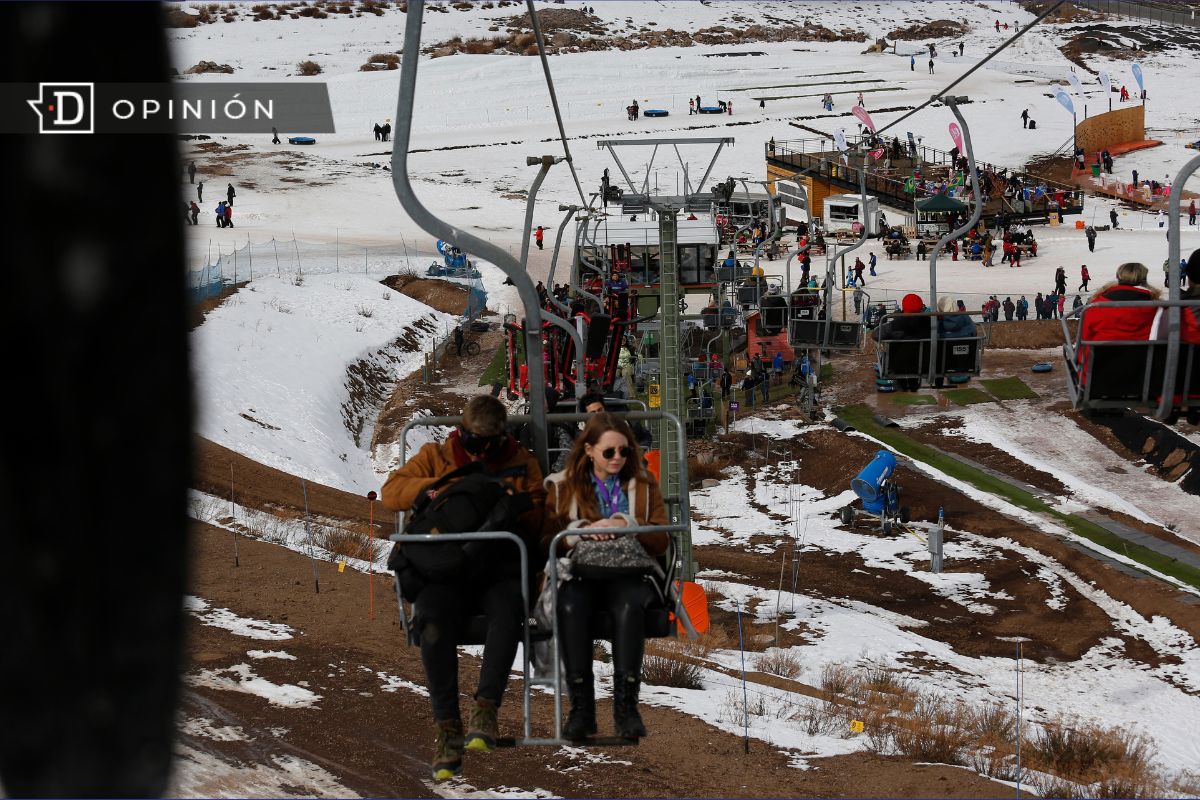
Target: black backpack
column 476, row 501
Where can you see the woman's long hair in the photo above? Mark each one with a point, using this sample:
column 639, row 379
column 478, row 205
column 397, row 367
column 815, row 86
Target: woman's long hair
column 578, row 484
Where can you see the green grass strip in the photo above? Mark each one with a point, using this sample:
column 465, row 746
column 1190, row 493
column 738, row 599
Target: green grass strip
column 966, row 397
column 1009, row 389
column 826, row 371
column 913, row 400
column 860, row 417
column 495, row 370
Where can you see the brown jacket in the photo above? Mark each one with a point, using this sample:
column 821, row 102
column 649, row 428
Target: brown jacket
column 646, row 507
column 434, row 460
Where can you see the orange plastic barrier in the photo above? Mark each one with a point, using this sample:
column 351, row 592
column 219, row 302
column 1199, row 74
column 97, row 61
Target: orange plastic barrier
column 653, row 459
column 1079, row 225
column 695, row 601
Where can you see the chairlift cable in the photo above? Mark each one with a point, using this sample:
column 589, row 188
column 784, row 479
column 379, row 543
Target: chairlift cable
column 966, row 74
column 541, row 44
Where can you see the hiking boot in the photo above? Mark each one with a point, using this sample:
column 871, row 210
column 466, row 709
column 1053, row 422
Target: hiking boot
column 448, row 751
column 581, row 722
column 626, row 719
column 482, row 732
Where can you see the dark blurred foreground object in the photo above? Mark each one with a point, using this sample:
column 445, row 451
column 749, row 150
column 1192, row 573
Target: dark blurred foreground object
column 95, row 460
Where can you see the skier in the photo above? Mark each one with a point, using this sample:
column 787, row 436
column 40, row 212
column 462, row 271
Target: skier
column 1084, row 277
column 931, row 66
column 1112, row 215
column 200, row 192
column 1192, row 213
column 912, row 63
column 1025, row 118
column 538, row 236
column 1091, row 238
column 230, row 194
column 192, row 172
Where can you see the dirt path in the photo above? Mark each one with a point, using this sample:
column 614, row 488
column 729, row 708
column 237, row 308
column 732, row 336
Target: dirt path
column 377, row 743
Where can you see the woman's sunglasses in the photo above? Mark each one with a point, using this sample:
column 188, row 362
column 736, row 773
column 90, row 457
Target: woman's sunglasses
column 476, row 444
column 609, row 452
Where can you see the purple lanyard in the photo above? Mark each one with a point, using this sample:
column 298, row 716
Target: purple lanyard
column 610, row 502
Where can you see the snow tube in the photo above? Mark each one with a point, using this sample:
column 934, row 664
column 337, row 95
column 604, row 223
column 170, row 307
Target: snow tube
column 1042, row 366
column 957, row 380
column 884, row 387
column 301, row 140
column 655, row 112
column 711, row 110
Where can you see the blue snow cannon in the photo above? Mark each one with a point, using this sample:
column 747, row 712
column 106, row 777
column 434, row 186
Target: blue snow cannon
column 876, row 487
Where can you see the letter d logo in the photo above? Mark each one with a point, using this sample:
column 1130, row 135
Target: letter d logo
column 65, row 107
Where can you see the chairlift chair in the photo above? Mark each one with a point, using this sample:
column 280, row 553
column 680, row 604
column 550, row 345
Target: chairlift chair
column 1158, row 377
column 664, row 617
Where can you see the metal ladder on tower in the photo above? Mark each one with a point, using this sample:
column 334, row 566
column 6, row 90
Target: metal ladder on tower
column 671, row 369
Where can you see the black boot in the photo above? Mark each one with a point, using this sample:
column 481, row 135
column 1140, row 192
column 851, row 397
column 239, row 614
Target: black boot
column 626, row 719
column 581, row 722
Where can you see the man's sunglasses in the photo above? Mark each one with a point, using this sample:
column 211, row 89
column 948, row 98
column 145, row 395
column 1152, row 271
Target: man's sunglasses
column 476, row 444
column 609, row 452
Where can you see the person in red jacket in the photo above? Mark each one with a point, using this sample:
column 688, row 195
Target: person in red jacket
column 1113, row 323
column 539, row 236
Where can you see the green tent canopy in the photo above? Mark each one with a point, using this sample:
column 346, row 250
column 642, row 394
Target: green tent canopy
column 941, row 202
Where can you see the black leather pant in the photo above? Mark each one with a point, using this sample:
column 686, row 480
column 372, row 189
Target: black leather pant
column 625, row 599
column 444, row 609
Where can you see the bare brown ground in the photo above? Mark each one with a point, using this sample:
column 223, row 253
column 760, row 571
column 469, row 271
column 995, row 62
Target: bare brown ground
column 378, row 743
column 445, row 296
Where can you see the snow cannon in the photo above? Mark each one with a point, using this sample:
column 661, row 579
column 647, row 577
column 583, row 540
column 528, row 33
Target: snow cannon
column 872, row 482
column 880, row 496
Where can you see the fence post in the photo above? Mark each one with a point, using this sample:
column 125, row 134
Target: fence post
column 278, row 270
column 235, row 264
column 365, row 267
column 250, row 254
column 296, row 245
column 337, row 246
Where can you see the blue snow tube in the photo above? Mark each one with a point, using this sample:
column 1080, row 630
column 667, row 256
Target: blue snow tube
column 870, row 480
column 958, row 380
column 655, row 112
column 440, row 246
column 711, row 110
column 1042, row 366
column 301, row 140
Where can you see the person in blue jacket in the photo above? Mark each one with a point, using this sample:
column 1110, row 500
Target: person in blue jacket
column 953, row 326
column 777, row 366
column 220, row 212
